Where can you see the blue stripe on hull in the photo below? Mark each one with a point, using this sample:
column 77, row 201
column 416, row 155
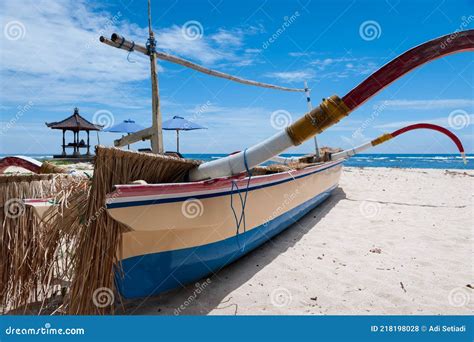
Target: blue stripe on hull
column 154, row 273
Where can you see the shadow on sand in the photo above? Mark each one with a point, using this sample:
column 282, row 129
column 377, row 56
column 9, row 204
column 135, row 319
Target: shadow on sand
column 232, row 276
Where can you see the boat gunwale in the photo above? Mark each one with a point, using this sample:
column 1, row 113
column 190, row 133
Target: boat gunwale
column 128, row 195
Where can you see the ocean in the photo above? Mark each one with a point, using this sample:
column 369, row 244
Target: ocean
column 412, row 161
column 421, row 161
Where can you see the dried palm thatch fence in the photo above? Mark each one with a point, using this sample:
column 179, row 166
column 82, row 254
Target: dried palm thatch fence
column 76, row 249
column 26, row 263
column 98, row 236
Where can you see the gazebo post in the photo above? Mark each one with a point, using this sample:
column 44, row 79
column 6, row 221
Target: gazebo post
column 76, row 142
column 64, row 142
column 177, row 140
column 88, row 146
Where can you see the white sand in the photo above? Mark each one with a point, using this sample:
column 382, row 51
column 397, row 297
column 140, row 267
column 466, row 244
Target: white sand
column 389, row 241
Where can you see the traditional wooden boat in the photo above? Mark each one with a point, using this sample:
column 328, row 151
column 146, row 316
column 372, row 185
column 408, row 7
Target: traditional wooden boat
column 181, row 232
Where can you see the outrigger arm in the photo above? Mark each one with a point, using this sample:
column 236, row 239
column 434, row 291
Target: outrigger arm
column 333, row 109
column 379, row 140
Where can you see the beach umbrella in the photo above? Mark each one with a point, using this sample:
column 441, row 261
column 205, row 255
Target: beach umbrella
column 178, row 123
column 127, row 126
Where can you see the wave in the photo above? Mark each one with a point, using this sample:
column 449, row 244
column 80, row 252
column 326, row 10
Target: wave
column 411, row 157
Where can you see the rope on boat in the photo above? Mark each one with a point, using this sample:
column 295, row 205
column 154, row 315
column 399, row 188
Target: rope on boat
column 130, row 51
column 243, row 203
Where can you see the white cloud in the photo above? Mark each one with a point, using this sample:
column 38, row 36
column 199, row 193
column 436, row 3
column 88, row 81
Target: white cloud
column 253, row 50
column 172, row 40
column 229, row 38
column 251, row 121
column 298, row 54
column 327, row 68
column 220, row 47
column 292, row 76
column 428, row 104
column 60, row 61
column 343, row 67
column 322, row 64
column 60, row 58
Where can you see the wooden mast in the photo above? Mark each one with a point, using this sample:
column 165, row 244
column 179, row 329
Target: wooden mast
column 157, row 136
column 154, row 133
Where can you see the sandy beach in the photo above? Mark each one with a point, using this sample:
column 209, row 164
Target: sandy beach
column 388, row 241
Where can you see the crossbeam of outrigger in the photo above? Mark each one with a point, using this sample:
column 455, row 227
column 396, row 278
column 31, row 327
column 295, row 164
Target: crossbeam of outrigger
column 154, row 133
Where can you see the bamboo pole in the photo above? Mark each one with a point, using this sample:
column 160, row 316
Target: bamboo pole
column 310, row 108
column 134, row 137
column 157, row 137
column 122, row 43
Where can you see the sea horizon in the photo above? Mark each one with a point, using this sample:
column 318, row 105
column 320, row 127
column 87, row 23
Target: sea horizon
column 389, row 160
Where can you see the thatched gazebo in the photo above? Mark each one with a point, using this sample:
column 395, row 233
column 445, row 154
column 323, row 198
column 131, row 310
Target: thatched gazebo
column 74, row 123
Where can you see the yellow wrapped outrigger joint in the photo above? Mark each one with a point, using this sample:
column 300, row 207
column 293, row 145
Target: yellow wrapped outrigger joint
column 383, row 138
column 328, row 113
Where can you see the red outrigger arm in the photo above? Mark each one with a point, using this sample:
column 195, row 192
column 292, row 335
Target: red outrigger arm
column 387, row 136
column 406, row 62
column 440, row 129
column 381, row 139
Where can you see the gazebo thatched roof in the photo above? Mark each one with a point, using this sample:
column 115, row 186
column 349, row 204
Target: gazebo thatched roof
column 75, row 122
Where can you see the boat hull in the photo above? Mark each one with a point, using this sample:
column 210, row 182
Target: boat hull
column 171, row 251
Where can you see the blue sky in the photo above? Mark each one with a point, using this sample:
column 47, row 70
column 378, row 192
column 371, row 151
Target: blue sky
column 51, row 62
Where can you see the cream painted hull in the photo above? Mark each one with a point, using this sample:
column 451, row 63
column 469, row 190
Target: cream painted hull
column 181, row 232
